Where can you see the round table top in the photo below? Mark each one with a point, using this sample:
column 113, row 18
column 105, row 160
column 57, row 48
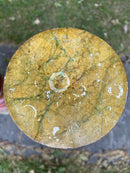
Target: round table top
column 65, row 88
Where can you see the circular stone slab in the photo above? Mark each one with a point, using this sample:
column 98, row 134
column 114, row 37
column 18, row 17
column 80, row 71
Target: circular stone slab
column 65, row 88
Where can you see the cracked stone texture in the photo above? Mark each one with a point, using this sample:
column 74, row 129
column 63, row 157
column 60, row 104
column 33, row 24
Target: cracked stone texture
column 117, row 138
column 65, row 92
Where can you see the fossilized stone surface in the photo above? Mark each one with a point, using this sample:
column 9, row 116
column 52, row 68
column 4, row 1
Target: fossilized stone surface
column 65, row 88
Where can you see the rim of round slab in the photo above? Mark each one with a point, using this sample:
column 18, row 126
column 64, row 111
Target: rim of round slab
column 65, row 88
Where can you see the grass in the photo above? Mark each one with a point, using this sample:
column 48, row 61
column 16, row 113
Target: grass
column 21, row 19
column 39, row 166
column 57, row 161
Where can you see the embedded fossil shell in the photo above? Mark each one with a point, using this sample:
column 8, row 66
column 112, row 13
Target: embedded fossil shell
column 65, row 88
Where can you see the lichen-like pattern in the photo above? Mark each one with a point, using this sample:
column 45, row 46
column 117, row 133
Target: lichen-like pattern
column 65, row 88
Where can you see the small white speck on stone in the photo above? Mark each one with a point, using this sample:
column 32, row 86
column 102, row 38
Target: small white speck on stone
column 99, row 64
column 67, row 133
column 75, row 95
column 76, row 125
column 114, row 122
column 55, row 129
column 96, row 74
column 83, row 94
column 47, row 94
column 110, row 90
column 80, row 103
column 35, row 83
column 57, row 104
column 73, row 59
column 49, row 137
column 39, row 119
column 114, row 66
column 57, row 139
column 109, row 107
column 91, row 55
column 12, row 89
column 98, row 80
column 28, row 72
column 84, row 87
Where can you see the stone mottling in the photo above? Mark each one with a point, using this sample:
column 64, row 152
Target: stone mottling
column 65, row 88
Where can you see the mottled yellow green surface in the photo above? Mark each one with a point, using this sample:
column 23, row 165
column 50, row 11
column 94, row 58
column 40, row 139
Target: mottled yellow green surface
column 65, row 88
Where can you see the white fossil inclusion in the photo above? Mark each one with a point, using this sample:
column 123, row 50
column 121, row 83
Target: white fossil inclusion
column 32, row 108
column 12, row 89
column 121, row 92
column 51, row 83
column 110, row 90
column 55, row 129
column 82, row 94
column 35, row 83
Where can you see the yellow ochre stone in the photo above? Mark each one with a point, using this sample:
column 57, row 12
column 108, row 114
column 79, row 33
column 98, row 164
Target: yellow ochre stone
column 65, row 88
